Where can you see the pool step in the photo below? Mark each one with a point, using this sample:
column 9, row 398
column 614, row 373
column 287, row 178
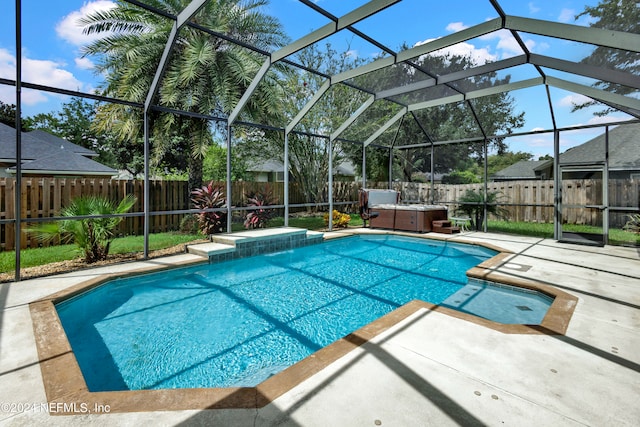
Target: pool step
column 444, row 226
column 255, row 242
column 208, row 249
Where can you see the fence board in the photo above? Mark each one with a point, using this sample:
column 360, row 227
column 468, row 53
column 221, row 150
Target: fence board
column 45, row 197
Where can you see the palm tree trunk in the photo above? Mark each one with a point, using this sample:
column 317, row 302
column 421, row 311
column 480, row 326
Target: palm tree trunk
column 195, row 172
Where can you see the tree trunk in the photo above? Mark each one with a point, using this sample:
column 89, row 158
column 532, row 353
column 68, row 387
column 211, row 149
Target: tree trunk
column 195, row 172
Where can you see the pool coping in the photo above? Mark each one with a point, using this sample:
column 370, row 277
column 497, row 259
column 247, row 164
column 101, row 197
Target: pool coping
column 65, row 386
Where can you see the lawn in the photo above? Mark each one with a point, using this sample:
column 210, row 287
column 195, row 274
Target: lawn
column 131, row 244
column 41, row 256
column 616, row 236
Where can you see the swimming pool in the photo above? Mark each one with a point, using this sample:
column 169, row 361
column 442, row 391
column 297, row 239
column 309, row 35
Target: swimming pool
column 237, row 323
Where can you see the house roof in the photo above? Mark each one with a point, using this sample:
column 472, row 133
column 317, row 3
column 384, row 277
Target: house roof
column 624, row 149
column 31, row 146
column 524, row 169
column 64, row 162
column 48, row 154
column 624, row 154
column 57, row 141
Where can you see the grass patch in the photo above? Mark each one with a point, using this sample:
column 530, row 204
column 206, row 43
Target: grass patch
column 131, row 244
column 122, row 245
column 534, row 229
column 616, row 236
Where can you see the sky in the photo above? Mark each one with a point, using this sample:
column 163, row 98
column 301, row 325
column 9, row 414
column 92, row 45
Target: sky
column 52, row 43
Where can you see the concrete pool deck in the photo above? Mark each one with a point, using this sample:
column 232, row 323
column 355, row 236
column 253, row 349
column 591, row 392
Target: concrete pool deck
column 429, row 369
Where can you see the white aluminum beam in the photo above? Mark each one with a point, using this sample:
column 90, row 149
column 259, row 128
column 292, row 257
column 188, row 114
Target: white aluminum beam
column 594, row 72
column 350, row 18
column 303, row 112
column 522, row 84
column 446, row 41
column 477, row 94
column 353, row 117
column 184, row 16
column 452, row 39
column 386, row 126
column 435, row 102
column 597, row 36
column 247, row 93
column 597, row 94
column 458, row 75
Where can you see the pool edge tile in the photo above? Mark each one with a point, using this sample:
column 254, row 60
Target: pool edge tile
column 65, row 385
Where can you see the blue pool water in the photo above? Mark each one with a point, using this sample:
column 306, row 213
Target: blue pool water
column 237, row 323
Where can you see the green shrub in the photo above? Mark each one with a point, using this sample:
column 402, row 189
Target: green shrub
column 633, row 223
column 189, row 224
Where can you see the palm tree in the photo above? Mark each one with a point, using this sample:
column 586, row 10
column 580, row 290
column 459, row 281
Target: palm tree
column 93, row 236
column 205, row 74
column 472, row 204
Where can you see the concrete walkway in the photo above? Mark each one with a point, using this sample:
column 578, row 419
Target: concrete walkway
column 430, row 370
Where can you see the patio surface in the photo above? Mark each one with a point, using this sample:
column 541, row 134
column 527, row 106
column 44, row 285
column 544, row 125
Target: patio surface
column 430, row 369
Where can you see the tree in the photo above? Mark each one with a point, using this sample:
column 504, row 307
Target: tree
column 618, row 15
column 215, row 164
column 8, row 116
column 472, row 204
column 309, row 153
column 93, row 236
column 205, row 75
column 441, row 123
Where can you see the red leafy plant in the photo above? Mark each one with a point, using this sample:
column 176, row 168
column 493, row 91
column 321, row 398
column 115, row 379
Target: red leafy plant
column 258, row 218
column 210, row 197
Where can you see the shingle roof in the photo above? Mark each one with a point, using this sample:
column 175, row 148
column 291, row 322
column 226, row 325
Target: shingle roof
column 624, row 149
column 57, row 141
column 65, row 162
column 31, row 147
column 524, row 169
column 45, row 153
column 624, row 154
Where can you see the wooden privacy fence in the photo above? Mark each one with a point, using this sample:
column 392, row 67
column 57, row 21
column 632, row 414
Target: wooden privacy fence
column 45, row 197
column 532, row 201
column 528, row 201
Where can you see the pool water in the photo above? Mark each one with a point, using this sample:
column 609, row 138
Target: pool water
column 238, row 322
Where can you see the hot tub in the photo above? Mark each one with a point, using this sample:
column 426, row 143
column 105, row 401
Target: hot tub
column 417, row 218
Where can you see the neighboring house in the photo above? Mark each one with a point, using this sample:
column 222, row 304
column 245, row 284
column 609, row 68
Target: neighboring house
column 524, row 170
column 273, row 171
column 47, row 155
column 624, row 157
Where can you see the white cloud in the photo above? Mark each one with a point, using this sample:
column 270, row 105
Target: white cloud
column 596, row 120
column 84, row 63
column 478, row 56
column 533, row 8
column 567, row 15
column 507, row 44
column 69, row 28
column 573, row 99
column 43, row 72
column 456, row 26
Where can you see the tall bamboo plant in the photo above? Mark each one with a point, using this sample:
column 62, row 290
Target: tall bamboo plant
column 93, row 236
